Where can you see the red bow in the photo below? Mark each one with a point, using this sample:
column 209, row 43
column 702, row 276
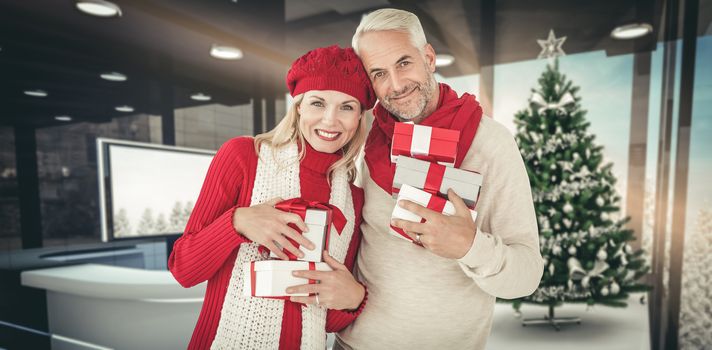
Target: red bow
column 299, row 206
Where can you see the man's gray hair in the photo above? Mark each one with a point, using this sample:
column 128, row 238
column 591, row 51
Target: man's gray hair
column 391, row 19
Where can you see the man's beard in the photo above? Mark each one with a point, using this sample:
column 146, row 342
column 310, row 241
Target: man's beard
column 416, row 106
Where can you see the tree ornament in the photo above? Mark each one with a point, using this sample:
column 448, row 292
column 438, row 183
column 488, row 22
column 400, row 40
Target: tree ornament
column 572, row 250
column 567, row 223
column 602, row 255
column 551, row 268
column 628, row 249
column 556, row 250
column 615, row 288
column 599, row 201
column 604, row 216
column 604, row 291
column 551, row 47
column 585, row 281
column 568, row 207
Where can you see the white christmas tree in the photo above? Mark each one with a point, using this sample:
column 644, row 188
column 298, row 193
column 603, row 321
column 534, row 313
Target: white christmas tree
column 161, row 224
column 177, row 219
column 147, row 223
column 122, row 226
column 696, row 301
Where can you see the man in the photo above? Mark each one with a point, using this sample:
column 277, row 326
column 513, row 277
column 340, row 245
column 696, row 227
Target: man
column 440, row 295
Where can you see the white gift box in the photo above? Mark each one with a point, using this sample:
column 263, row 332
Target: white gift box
column 425, row 199
column 433, row 177
column 271, row 278
column 316, row 220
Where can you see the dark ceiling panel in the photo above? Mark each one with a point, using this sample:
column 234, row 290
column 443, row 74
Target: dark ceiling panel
column 163, row 45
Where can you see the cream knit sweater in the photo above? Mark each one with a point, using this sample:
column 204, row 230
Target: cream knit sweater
column 418, row 300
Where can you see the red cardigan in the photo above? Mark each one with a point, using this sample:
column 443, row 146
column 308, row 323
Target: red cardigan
column 208, row 247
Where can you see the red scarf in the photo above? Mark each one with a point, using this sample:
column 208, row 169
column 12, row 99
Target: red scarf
column 463, row 113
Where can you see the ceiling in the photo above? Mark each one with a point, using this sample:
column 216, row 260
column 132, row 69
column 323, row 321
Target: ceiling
column 162, row 46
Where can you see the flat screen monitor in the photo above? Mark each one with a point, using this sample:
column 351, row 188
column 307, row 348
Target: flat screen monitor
column 147, row 190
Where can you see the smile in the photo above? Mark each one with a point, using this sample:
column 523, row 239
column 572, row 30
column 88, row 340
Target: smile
column 404, row 95
column 326, row 135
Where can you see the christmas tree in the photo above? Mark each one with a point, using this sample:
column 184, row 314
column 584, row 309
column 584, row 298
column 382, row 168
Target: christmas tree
column 583, row 241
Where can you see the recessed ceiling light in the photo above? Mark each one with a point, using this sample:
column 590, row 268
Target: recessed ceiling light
column 124, row 108
column 63, row 118
column 113, row 76
column 36, row 93
column 200, row 97
column 631, row 31
column 443, row 60
column 99, row 8
column 225, row 52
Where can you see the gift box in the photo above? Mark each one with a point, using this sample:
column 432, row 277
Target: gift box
column 425, row 142
column 425, row 199
column 319, row 218
column 271, row 278
column 436, row 179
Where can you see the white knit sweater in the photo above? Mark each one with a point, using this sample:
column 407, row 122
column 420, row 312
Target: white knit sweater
column 256, row 323
column 418, row 300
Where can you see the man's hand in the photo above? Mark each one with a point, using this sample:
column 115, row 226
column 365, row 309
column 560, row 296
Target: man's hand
column 446, row 236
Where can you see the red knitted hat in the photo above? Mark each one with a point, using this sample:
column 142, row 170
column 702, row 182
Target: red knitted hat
column 331, row 68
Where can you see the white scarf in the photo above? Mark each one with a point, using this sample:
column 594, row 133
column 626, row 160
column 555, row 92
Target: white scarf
column 256, row 323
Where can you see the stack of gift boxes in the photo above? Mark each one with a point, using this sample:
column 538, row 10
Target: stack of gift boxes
column 270, row 278
column 425, row 159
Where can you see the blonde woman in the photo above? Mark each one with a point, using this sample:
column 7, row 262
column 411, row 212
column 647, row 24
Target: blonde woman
column 310, row 154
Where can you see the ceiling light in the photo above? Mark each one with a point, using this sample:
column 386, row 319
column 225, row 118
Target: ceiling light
column 631, row 31
column 124, row 108
column 36, row 93
column 113, row 76
column 63, row 118
column 443, row 60
column 225, row 52
column 99, row 8
column 200, row 97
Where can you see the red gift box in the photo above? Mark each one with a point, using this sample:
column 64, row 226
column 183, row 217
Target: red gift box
column 425, row 143
column 309, row 211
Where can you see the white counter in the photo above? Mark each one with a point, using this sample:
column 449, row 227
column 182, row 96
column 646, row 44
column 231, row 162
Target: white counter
column 118, row 307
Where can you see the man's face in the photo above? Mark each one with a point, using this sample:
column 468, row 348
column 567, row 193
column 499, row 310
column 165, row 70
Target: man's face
column 402, row 76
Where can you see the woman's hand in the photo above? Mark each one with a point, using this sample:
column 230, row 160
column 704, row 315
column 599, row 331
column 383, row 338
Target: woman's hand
column 266, row 225
column 337, row 289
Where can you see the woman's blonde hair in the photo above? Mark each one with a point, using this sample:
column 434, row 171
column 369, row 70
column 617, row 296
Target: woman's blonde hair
column 287, row 132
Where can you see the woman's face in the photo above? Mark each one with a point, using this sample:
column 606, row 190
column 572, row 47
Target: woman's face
column 328, row 119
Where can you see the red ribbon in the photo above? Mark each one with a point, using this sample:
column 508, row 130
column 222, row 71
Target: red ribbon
column 434, row 178
column 253, row 278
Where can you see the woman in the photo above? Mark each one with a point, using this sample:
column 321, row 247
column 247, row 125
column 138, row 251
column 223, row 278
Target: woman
column 310, row 154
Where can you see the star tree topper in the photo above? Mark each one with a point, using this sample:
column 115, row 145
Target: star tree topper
column 551, row 47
